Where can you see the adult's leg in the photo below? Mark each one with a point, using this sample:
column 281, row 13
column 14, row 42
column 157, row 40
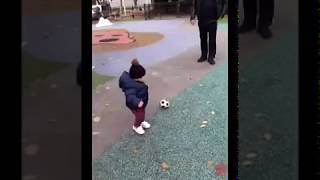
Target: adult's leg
column 266, row 12
column 250, row 12
column 212, row 39
column 265, row 18
column 203, row 41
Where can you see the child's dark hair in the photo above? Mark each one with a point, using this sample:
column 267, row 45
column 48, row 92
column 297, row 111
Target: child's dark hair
column 136, row 70
column 135, row 62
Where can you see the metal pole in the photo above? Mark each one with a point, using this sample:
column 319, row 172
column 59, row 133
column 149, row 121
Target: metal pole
column 124, row 8
column 145, row 11
column 178, row 8
column 121, row 7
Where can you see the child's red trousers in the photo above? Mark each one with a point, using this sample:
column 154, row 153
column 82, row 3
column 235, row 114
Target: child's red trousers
column 139, row 116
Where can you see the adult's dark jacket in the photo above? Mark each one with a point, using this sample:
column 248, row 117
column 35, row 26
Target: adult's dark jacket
column 135, row 91
column 216, row 11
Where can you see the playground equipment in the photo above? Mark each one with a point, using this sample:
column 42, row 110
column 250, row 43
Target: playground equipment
column 134, row 8
column 103, row 22
column 101, row 8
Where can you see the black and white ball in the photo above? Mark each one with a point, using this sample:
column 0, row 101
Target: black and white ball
column 164, row 103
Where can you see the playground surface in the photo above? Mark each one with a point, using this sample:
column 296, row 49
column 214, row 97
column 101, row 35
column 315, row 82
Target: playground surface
column 266, row 133
column 176, row 146
column 176, row 142
column 268, row 104
column 179, row 36
column 51, row 99
column 53, row 37
column 171, row 70
column 120, row 40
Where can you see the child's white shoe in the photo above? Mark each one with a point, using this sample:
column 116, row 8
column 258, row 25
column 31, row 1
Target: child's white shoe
column 138, row 130
column 145, row 125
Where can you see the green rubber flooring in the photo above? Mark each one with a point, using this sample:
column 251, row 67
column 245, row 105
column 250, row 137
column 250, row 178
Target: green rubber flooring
column 176, row 138
column 268, row 112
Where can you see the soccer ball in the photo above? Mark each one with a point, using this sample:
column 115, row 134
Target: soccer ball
column 164, row 103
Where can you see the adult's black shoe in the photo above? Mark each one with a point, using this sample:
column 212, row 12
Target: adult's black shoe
column 211, row 61
column 202, row 59
column 264, row 32
column 246, row 28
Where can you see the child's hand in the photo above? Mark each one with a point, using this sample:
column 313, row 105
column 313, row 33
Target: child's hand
column 140, row 104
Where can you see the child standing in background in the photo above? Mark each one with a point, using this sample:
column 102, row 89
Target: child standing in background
column 136, row 92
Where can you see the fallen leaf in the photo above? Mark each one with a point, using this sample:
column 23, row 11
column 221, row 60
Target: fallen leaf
column 95, row 133
column 96, row 119
column 267, row 136
column 260, row 116
column 203, row 125
column 164, row 166
column 220, row 170
column 136, row 151
column 247, row 163
column 251, row 155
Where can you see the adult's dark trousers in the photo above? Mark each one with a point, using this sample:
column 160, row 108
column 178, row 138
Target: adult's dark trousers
column 266, row 12
column 208, row 33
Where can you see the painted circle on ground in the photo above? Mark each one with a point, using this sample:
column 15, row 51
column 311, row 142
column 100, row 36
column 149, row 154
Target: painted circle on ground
column 116, row 37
